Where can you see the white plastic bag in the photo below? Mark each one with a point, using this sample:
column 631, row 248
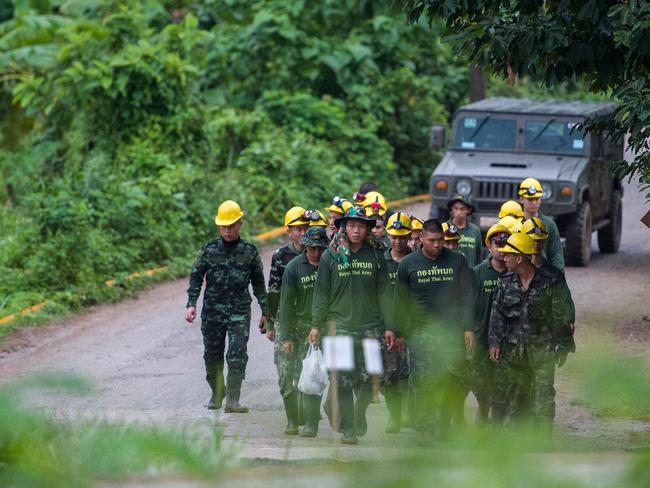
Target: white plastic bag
column 313, row 377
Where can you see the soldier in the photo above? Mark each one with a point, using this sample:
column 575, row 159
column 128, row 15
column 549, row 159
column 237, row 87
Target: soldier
column 511, row 209
column 228, row 265
column 433, row 311
column 350, row 281
column 452, row 237
column 535, row 229
column 530, row 196
column 416, row 230
column 460, row 208
column 488, row 274
column 295, row 317
column 296, row 221
column 530, row 332
column 394, row 356
column 336, row 211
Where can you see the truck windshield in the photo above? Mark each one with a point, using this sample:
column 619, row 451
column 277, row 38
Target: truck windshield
column 554, row 137
column 486, row 133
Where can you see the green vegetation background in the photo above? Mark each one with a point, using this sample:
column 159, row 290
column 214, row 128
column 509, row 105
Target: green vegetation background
column 125, row 124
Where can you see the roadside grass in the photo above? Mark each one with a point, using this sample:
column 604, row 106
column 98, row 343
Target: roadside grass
column 36, row 451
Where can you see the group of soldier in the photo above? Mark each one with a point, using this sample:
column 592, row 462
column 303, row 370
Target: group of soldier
column 452, row 317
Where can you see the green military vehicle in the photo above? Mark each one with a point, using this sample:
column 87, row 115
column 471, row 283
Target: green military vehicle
column 497, row 142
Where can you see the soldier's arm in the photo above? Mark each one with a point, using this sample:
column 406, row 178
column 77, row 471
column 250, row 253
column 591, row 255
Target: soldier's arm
column 563, row 315
column 496, row 331
column 199, row 269
column 402, row 306
column 554, row 247
column 322, row 291
column 382, row 286
column 466, row 295
column 275, row 283
column 288, row 306
column 257, row 280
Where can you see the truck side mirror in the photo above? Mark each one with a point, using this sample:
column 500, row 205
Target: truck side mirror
column 437, row 137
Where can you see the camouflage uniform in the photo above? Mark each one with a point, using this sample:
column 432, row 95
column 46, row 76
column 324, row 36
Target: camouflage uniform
column 281, row 257
column 228, row 268
column 530, row 327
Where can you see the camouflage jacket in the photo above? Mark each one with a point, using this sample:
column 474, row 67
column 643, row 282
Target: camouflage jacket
column 281, row 257
column 227, row 268
column 529, row 326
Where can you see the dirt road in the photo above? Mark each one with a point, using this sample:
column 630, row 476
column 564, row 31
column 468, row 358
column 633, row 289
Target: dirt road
column 146, row 362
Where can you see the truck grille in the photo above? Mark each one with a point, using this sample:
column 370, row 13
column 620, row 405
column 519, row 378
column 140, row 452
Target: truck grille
column 498, row 190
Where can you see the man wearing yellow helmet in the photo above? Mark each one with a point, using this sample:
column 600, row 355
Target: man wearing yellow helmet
column 399, row 232
column 470, row 244
column 297, row 221
column 416, row 230
column 512, row 209
column 228, row 264
column 434, row 313
column 530, row 197
column 488, row 275
column 530, row 333
column 452, row 237
column 336, row 210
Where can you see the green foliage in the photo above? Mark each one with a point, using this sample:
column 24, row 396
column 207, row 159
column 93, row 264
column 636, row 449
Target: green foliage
column 603, row 43
column 137, row 118
column 35, row 451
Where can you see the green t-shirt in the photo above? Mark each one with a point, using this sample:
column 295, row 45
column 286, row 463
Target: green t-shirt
column 434, row 297
column 487, row 280
column 471, row 244
column 350, row 296
column 388, row 299
column 296, row 298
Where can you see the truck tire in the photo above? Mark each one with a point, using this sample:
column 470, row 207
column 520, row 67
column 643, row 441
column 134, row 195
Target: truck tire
column 578, row 236
column 609, row 237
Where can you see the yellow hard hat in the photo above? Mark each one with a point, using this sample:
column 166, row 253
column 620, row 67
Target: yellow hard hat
column 511, row 208
column 511, row 223
column 519, row 244
column 376, row 202
column 228, row 213
column 451, row 232
column 534, row 228
column 496, row 229
column 416, row 224
column 316, row 218
column 339, row 205
column 295, row 216
column 399, row 224
column 530, row 188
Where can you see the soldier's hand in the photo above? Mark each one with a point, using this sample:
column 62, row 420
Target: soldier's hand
column 262, row 324
column 400, row 344
column 270, row 334
column 287, row 347
column 470, row 339
column 495, row 354
column 190, row 314
column 314, row 337
column 389, row 336
column 560, row 358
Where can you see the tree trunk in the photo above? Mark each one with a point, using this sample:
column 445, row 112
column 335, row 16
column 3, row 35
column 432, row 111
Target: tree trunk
column 476, row 83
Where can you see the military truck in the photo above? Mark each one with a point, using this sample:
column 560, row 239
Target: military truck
column 497, row 142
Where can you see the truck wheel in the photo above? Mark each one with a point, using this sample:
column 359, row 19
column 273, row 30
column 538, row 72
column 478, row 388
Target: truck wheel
column 609, row 237
column 578, row 236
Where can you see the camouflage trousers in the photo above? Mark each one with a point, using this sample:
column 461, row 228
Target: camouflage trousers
column 217, row 329
column 289, row 366
column 396, row 368
column 439, row 379
column 525, row 392
column 482, row 379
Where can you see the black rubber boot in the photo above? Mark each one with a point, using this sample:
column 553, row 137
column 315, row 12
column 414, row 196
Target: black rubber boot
column 233, row 390
column 364, row 397
column 311, row 410
column 394, row 406
column 346, row 411
column 291, row 411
